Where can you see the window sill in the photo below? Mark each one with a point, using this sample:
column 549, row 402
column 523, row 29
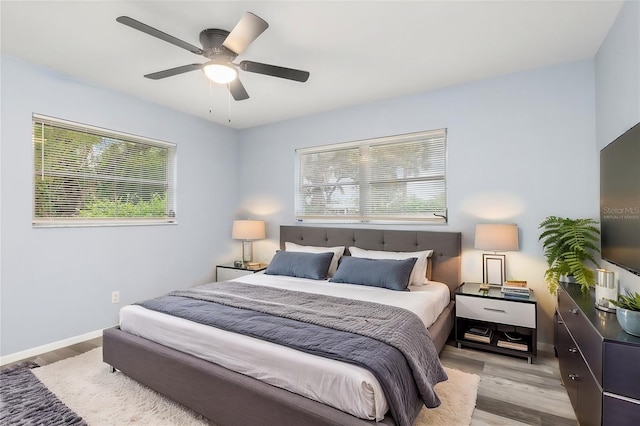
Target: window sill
column 93, row 224
column 434, row 221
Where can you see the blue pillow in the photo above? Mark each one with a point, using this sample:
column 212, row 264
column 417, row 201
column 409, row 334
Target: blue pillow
column 387, row 273
column 301, row 265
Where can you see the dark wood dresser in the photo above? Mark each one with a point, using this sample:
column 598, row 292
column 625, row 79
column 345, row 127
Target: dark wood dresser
column 599, row 362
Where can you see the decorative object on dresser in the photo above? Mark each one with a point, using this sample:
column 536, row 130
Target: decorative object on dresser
column 495, row 237
column 598, row 360
column 606, row 289
column 568, row 244
column 248, row 231
column 492, row 321
column 229, row 271
column 628, row 312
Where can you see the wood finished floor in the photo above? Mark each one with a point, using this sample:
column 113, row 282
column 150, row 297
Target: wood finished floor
column 511, row 391
column 63, row 353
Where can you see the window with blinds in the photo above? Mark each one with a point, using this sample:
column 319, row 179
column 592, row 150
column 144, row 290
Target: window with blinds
column 393, row 179
column 85, row 175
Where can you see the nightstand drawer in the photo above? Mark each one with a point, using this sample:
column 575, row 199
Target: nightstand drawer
column 224, row 274
column 229, row 271
column 498, row 311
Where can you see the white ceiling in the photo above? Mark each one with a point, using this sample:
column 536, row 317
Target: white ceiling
column 356, row 51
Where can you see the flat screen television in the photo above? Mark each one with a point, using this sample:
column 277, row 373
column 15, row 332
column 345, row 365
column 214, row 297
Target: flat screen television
column 620, row 200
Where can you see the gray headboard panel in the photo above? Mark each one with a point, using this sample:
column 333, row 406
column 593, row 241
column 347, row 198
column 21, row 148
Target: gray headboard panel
column 446, row 246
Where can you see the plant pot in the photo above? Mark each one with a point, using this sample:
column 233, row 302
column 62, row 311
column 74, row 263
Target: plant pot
column 568, row 279
column 629, row 321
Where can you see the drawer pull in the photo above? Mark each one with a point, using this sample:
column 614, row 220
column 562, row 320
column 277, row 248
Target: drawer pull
column 573, row 377
column 495, row 310
column 573, row 350
column 573, row 311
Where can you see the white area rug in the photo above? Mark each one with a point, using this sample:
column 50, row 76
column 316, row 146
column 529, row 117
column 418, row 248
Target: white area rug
column 87, row 386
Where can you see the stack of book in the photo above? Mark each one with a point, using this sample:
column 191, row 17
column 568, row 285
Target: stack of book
column 478, row 334
column 516, row 289
column 513, row 341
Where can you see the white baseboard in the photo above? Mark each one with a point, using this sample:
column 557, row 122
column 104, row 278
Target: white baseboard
column 8, row 359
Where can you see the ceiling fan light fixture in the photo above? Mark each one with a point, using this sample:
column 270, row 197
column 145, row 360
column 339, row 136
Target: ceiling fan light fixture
column 221, row 47
column 220, row 73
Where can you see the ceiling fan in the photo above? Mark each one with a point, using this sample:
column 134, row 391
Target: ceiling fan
column 221, row 47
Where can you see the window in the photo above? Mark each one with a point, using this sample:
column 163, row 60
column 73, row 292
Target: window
column 85, row 175
column 391, row 179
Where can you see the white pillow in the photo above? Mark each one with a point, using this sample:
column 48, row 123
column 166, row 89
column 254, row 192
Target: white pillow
column 419, row 273
column 337, row 253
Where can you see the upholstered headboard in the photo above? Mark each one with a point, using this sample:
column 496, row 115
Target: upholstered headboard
column 446, row 246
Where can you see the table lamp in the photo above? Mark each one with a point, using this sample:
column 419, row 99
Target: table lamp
column 248, row 231
column 495, row 237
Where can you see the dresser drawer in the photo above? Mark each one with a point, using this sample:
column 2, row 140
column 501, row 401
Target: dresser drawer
column 570, row 312
column 620, row 412
column 622, row 370
column 583, row 332
column 520, row 314
column 589, row 412
column 569, row 362
column 582, row 388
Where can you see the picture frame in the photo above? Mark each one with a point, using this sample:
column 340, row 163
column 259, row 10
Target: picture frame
column 493, row 269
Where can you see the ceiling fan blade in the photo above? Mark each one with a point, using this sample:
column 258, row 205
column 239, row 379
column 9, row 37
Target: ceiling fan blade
column 275, row 71
column 237, row 90
column 173, row 71
column 130, row 22
column 245, row 32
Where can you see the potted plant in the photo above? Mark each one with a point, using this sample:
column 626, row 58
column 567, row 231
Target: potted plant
column 628, row 312
column 568, row 244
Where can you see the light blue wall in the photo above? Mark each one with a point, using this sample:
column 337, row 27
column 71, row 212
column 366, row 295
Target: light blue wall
column 617, row 67
column 517, row 145
column 57, row 283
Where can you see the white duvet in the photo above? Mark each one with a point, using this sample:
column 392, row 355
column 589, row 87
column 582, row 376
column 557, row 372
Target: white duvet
column 344, row 386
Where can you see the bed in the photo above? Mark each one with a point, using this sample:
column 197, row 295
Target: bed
column 231, row 398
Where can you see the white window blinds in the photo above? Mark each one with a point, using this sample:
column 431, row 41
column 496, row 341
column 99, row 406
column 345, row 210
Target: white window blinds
column 85, row 175
column 394, row 179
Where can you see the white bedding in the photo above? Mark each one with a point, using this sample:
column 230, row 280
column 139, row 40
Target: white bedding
column 344, row 386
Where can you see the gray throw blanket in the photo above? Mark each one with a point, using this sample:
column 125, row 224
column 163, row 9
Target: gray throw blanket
column 391, row 342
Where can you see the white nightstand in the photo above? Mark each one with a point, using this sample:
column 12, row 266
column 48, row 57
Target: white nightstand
column 227, row 271
column 492, row 311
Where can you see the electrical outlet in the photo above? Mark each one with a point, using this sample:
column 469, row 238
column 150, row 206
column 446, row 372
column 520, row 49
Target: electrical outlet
column 115, row 297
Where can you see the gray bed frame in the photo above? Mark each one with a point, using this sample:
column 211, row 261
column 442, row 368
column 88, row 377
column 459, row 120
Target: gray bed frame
column 230, row 398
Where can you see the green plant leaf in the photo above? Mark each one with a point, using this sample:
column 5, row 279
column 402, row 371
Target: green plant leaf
column 569, row 245
column 631, row 301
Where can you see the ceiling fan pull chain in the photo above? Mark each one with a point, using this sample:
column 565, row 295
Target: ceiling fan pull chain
column 229, row 101
column 210, row 98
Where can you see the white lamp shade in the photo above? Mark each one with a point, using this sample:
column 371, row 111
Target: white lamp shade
column 496, row 237
column 248, row 230
column 220, row 73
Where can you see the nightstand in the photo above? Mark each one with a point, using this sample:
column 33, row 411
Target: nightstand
column 511, row 323
column 227, row 271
